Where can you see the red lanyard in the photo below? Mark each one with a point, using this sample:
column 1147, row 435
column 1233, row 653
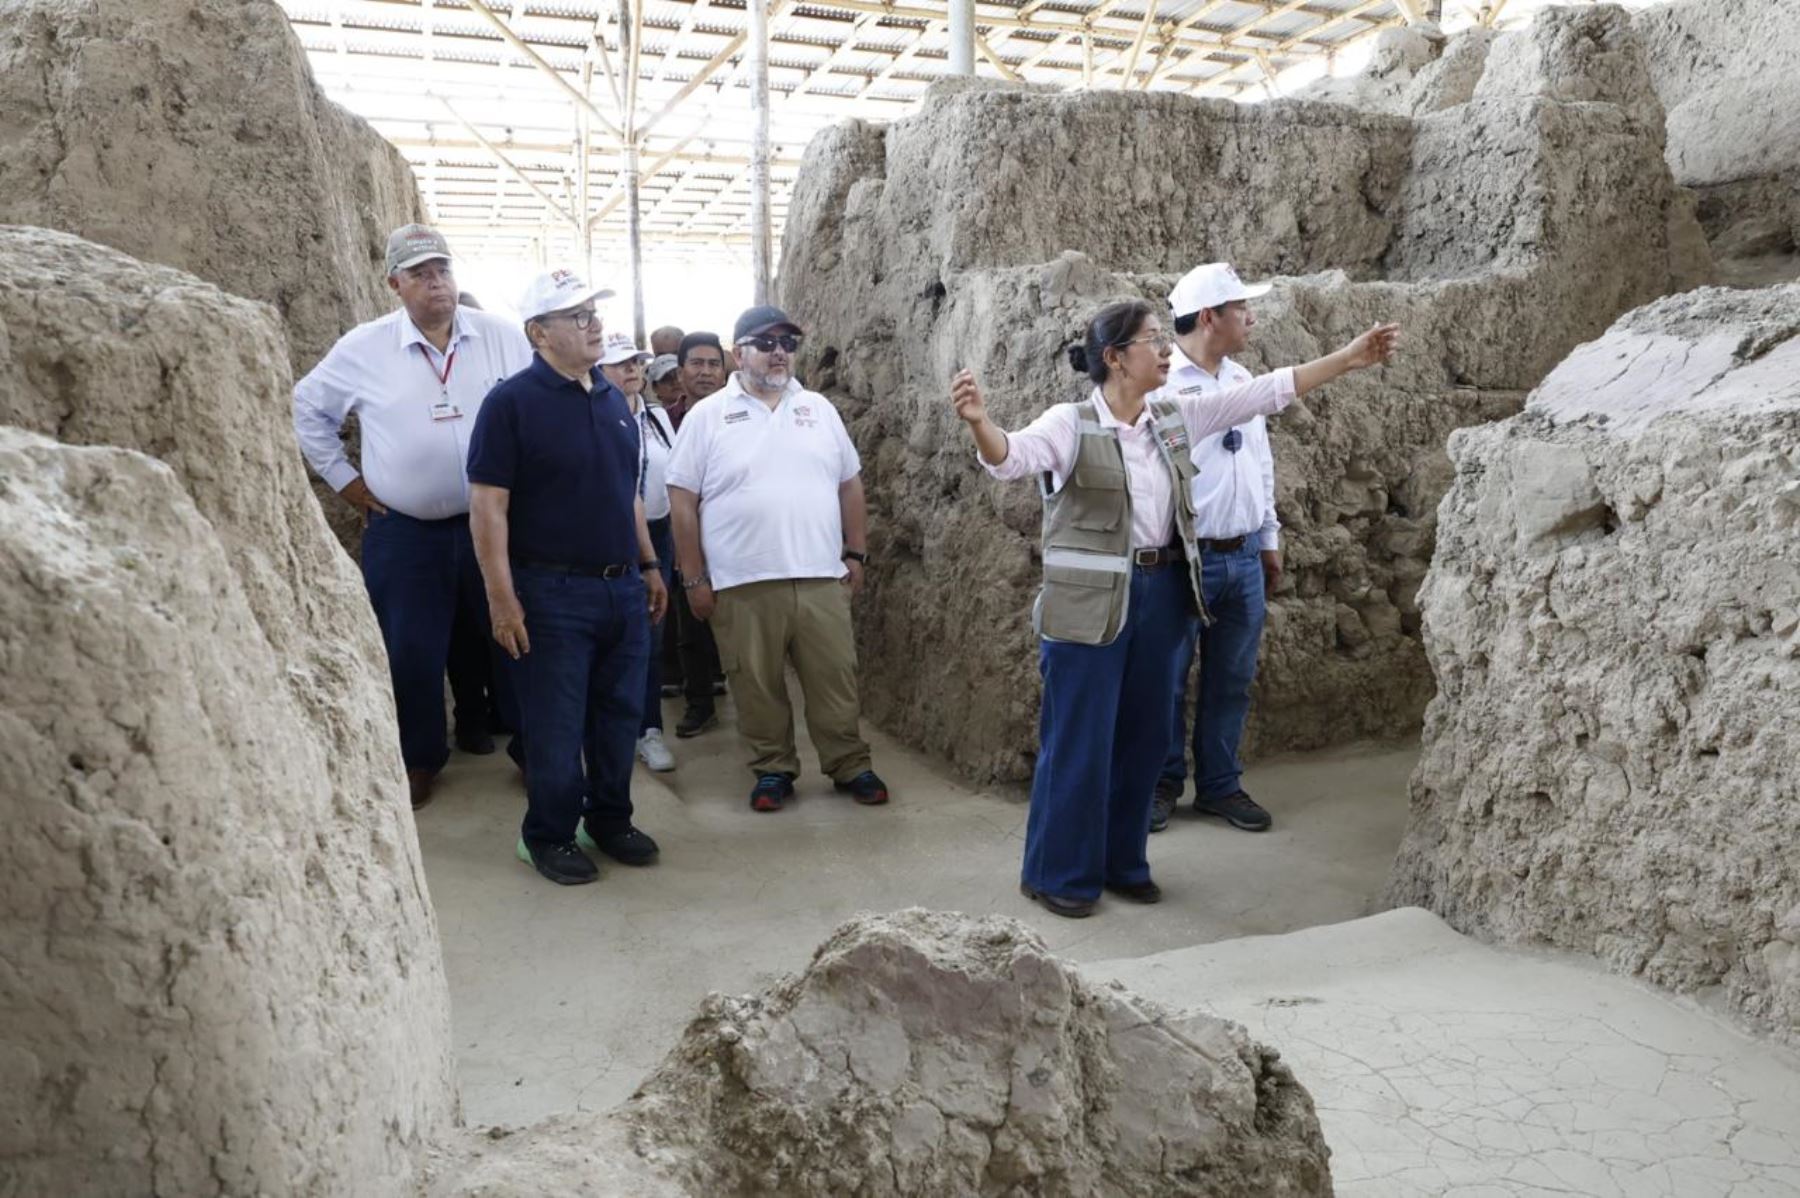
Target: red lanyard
column 449, row 364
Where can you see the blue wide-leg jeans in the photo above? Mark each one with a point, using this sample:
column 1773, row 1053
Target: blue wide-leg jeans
column 422, row 575
column 1102, row 735
column 580, row 697
column 1234, row 595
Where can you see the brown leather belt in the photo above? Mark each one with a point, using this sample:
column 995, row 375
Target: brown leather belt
column 1151, row 559
column 1229, row 546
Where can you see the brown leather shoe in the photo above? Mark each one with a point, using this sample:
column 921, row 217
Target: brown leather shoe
column 419, row 782
column 1057, row 905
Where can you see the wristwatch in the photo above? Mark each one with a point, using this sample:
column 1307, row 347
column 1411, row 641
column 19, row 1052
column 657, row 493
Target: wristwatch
column 852, row 555
column 648, row 564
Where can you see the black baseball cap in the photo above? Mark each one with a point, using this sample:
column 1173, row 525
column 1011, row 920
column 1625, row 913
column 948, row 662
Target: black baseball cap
column 764, row 318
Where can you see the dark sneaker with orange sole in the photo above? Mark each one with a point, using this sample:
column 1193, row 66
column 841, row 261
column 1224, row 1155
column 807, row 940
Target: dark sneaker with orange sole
column 1238, row 809
column 866, row 788
column 771, row 791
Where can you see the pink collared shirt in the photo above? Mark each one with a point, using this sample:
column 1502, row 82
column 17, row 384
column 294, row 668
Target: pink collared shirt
column 1050, row 442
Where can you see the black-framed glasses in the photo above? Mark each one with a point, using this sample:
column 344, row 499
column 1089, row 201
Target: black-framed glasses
column 765, row 344
column 581, row 319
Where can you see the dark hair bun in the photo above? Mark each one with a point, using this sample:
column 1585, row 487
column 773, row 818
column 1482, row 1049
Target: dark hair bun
column 1078, row 358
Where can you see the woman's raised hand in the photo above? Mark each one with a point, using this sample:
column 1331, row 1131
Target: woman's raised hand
column 965, row 393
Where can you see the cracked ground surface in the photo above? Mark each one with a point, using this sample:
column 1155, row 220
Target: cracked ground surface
column 1444, row 1067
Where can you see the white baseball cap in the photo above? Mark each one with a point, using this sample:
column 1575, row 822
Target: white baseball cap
column 621, row 348
column 558, row 291
column 663, row 367
column 1209, row 286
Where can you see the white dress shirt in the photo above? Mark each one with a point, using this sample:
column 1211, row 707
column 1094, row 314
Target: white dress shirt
column 1049, row 443
column 655, row 451
column 1234, row 493
column 768, row 483
column 416, row 407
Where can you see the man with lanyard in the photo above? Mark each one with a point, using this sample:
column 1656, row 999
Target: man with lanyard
column 769, row 518
column 415, row 379
column 565, row 553
column 701, row 359
column 1237, row 532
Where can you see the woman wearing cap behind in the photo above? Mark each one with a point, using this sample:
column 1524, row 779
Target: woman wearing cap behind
column 1119, row 585
column 622, row 362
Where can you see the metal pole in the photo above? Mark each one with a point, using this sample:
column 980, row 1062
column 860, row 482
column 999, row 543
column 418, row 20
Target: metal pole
column 962, row 37
column 633, row 234
column 760, row 237
column 584, row 228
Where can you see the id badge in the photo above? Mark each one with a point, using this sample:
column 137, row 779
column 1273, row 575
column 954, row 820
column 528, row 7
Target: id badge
column 445, row 410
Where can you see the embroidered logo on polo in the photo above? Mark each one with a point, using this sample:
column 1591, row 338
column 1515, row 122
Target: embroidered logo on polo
column 736, row 417
column 803, row 416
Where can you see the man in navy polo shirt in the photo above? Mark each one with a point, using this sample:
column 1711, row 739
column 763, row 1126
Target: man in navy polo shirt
column 565, row 553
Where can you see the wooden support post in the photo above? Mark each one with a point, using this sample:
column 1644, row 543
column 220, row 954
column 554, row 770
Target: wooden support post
column 549, row 200
column 1137, row 47
column 634, row 239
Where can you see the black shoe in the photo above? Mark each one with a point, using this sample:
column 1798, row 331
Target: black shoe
column 866, row 788
column 478, row 741
column 562, row 863
column 626, row 845
column 771, row 791
column 696, row 720
column 672, row 690
column 1055, row 904
column 1238, row 809
column 1162, row 805
column 1138, row 892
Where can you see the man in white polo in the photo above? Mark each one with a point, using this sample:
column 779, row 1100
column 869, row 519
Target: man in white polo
column 415, row 379
column 769, row 518
column 1238, row 536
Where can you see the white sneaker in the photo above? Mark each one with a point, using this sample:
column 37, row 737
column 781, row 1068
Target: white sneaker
column 654, row 753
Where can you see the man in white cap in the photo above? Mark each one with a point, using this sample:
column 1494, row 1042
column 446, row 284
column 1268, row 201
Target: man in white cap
column 565, row 552
column 415, row 379
column 1238, row 536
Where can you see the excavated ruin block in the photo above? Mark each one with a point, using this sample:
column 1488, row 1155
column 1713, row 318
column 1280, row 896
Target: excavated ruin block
column 1613, row 616
column 925, row 1053
column 985, row 229
column 221, row 967
column 191, row 133
column 1728, row 72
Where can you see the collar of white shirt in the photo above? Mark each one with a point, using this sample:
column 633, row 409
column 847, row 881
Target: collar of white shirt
column 459, row 329
column 1108, row 420
column 1180, row 363
column 735, row 389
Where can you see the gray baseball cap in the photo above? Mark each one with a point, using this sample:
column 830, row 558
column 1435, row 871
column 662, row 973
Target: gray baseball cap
column 410, row 245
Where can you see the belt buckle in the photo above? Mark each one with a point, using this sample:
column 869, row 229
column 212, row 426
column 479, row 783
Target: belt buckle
column 1146, row 557
column 614, row 571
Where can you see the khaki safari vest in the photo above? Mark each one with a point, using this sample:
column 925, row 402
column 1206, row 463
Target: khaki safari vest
column 1087, row 530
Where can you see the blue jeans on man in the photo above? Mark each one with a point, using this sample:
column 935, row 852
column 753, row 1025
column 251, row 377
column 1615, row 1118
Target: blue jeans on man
column 420, row 574
column 1233, row 586
column 580, row 695
column 662, row 540
column 1102, row 730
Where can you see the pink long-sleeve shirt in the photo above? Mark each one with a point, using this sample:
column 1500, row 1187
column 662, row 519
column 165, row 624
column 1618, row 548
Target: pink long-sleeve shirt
column 1050, row 442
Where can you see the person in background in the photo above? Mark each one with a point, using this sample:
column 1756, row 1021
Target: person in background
column 665, row 382
column 701, row 358
column 1119, row 586
column 665, row 340
column 416, row 380
column 622, row 362
column 566, row 556
column 770, row 521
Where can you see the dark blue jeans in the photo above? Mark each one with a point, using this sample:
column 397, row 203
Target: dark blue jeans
column 580, row 690
column 1234, row 596
column 662, row 540
column 422, row 575
column 1102, row 734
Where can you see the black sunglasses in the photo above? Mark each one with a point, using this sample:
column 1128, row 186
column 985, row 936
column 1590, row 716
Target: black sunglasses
column 765, row 344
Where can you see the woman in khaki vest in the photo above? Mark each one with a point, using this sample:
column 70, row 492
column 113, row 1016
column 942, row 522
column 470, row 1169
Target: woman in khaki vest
column 1118, row 591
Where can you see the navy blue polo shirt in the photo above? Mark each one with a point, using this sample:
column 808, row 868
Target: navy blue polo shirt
column 570, row 459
